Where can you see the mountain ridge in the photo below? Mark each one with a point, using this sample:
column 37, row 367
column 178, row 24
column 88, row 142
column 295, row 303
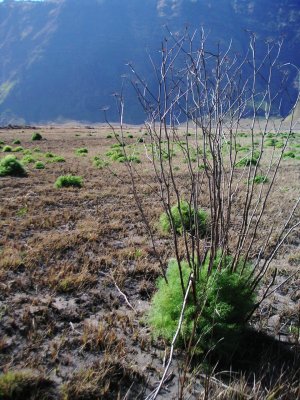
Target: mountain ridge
column 62, row 59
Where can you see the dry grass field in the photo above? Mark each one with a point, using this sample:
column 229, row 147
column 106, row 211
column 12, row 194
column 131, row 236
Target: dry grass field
column 77, row 272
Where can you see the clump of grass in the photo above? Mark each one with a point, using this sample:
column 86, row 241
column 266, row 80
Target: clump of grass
column 271, row 142
column 183, row 217
column 57, row 159
column 39, row 165
column 7, row 149
column 98, row 162
column 247, row 161
column 81, row 152
column 36, row 136
column 117, row 145
column 22, row 211
column 16, row 141
column 18, row 149
column 49, row 154
column 28, row 159
column 134, row 159
column 9, row 165
column 36, row 149
column 108, row 136
column 279, row 145
column 289, row 154
column 27, row 152
column 116, row 154
column 21, row 385
column 274, row 143
column 224, row 298
column 68, row 181
column 260, row 179
column 54, row 158
column 130, row 136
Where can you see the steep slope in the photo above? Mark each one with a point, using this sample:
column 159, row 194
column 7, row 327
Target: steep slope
column 63, row 59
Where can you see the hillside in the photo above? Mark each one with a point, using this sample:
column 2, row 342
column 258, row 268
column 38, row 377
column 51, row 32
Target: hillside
column 62, row 60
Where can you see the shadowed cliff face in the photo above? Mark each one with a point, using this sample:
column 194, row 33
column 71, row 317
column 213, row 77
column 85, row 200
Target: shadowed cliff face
column 63, row 59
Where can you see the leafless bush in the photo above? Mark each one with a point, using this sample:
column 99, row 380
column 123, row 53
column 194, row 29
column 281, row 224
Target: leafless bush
column 203, row 101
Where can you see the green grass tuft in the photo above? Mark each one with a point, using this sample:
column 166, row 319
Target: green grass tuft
column 18, row 149
column 224, row 298
column 49, row 155
column 98, row 162
column 9, row 165
column 247, row 161
column 289, row 154
column 186, row 219
column 68, row 181
column 81, row 152
column 57, row 159
column 39, row 165
column 36, row 136
column 16, row 141
column 260, row 179
column 28, row 159
column 7, row 149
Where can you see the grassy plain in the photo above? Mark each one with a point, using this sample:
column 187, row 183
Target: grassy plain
column 77, row 272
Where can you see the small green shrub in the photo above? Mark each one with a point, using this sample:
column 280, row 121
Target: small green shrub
column 98, row 162
column 27, row 152
column 186, row 220
column 7, row 149
column 81, row 152
column 28, row 159
column 68, row 181
column 271, row 142
column 52, row 158
column 57, row 159
column 260, row 179
column 16, row 141
column 247, row 161
column 39, row 165
column 1, row 142
column 140, row 140
column 243, row 148
column 134, row 159
column 9, row 165
column 18, row 149
column 49, row 155
column 117, row 145
column 108, row 136
column 36, row 136
column 289, row 154
column 130, row 136
column 279, row 145
column 224, row 298
column 116, row 155
column 36, row 150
